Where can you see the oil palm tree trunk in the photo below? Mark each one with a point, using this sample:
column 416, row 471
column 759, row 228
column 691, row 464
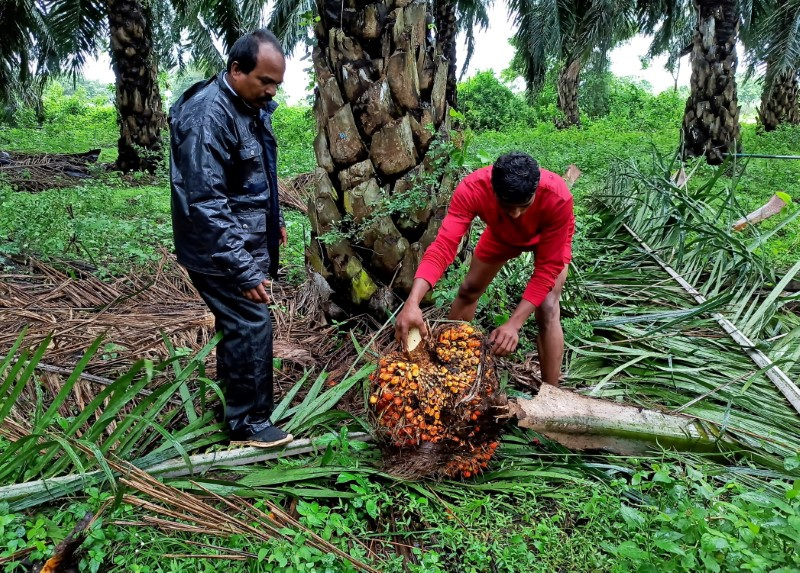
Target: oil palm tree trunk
column 139, row 111
column 568, row 82
column 780, row 104
column 445, row 19
column 711, row 118
column 380, row 97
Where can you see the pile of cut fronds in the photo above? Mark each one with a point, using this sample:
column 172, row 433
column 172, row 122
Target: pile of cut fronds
column 653, row 344
column 146, row 314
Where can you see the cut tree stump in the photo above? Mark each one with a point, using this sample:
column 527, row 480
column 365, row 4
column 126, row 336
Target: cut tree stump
column 772, row 207
column 581, row 423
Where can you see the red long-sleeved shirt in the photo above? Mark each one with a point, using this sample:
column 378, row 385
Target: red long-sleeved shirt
column 546, row 226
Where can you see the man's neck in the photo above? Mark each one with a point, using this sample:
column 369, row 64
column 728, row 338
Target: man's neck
column 233, row 91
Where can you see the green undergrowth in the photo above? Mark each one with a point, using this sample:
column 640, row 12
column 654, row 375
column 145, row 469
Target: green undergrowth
column 114, row 223
column 667, row 514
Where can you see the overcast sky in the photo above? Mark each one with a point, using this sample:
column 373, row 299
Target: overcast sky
column 492, row 51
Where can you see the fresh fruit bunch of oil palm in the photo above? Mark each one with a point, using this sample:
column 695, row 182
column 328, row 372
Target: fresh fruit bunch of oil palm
column 439, row 404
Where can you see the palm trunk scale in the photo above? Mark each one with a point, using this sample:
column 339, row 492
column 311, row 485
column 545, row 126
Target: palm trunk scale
column 380, row 195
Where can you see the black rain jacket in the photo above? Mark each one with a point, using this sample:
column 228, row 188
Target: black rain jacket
column 226, row 218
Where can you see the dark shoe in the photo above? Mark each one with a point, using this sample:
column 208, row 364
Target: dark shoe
column 268, row 437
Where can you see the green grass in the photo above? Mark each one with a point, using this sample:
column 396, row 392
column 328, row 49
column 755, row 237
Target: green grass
column 110, row 222
column 114, row 223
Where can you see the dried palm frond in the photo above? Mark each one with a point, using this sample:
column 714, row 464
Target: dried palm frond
column 39, row 172
column 294, row 192
column 217, row 515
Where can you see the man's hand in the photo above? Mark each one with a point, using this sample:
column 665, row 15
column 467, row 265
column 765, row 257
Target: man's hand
column 409, row 317
column 504, row 339
column 258, row 293
column 572, row 174
column 284, row 236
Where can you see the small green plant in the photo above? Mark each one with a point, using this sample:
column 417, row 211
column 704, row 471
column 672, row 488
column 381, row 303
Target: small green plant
column 689, row 521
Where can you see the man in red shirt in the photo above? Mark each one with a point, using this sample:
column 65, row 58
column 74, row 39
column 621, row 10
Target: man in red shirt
column 525, row 208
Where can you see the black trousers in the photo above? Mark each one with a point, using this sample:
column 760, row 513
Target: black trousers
column 244, row 355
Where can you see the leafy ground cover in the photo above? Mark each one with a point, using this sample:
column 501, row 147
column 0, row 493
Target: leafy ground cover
column 632, row 335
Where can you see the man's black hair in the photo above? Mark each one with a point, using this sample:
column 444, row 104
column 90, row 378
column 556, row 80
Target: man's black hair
column 515, row 176
column 245, row 50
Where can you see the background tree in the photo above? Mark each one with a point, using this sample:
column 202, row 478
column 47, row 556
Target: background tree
column 711, row 116
column 78, row 28
column 381, row 188
column 140, row 35
column 453, row 17
column 567, row 33
column 773, row 44
column 26, row 54
column 672, row 26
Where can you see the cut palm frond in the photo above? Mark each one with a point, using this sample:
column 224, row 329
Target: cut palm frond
column 222, row 516
column 650, row 348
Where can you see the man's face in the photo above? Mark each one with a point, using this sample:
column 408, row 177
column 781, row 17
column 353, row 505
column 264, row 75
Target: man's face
column 259, row 86
column 514, row 210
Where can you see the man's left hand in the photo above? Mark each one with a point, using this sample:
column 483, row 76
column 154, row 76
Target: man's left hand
column 284, row 236
column 504, row 340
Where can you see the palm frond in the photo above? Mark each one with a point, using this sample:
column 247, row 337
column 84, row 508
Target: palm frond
column 77, row 27
column 697, row 368
column 148, row 428
column 672, row 26
column 221, row 516
column 775, row 39
column 289, row 22
column 471, row 15
column 602, row 26
column 539, row 34
column 563, row 31
column 26, row 51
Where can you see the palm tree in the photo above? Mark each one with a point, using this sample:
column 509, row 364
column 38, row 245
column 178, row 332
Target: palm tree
column 458, row 17
column 711, row 119
column 773, row 40
column 780, row 102
column 63, row 34
column 568, row 33
column 24, row 63
column 77, row 29
column 380, row 100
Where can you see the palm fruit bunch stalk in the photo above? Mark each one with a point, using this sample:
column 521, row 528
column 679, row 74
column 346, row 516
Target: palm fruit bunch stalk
column 436, row 410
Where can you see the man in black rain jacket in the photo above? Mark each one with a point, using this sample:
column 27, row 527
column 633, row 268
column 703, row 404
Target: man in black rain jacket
column 227, row 222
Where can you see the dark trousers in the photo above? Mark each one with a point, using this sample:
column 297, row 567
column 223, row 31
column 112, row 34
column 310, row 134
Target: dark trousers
column 244, row 355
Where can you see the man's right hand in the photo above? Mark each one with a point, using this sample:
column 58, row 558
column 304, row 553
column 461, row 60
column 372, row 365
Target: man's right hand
column 408, row 318
column 258, row 293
